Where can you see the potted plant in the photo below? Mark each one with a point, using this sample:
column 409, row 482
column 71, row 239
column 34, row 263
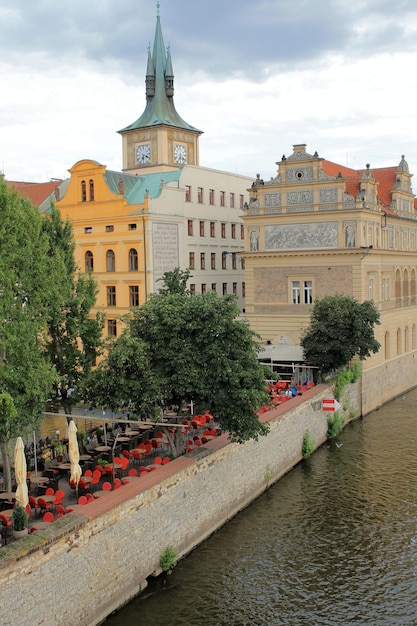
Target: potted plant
column 20, row 522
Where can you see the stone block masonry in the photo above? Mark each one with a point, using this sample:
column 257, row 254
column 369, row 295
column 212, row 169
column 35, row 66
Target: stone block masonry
column 94, row 560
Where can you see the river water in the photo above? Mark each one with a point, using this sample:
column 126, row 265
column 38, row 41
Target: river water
column 334, row 542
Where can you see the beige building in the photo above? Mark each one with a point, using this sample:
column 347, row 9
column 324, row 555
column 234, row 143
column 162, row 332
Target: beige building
column 319, row 228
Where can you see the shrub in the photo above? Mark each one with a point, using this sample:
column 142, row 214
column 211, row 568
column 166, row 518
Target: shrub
column 334, row 425
column 356, row 371
column 19, row 518
column 168, row 559
column 308, row 445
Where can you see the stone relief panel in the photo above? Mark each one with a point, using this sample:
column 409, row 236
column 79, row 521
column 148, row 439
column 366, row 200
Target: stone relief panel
column 272, row 210
column 301, row 236
column 329, row 194
column 301, row 174
column 272, row 199
column 165, row 249
column 304, row 196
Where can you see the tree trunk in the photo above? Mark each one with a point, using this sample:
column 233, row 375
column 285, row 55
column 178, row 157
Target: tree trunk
column 7, row 477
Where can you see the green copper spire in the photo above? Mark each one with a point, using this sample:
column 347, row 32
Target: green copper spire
column 160, row 108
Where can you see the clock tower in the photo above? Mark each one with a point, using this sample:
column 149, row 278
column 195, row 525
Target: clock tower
column 160, row 140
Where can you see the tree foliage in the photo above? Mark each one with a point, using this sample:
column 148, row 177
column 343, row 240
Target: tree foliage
column 74, row 336
column 42, row 310
column 179, row 348
column 340, row 329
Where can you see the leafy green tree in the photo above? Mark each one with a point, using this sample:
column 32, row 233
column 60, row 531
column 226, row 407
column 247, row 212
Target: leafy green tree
column 340, row 329
column 179, row 348
column 27, row 276
column 75, row 337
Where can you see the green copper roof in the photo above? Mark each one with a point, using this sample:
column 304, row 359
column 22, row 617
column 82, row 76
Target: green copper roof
column 151, row 185
column 160, row 108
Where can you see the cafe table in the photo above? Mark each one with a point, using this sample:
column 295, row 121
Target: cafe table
column 7, row 513
column 102, row 449
column 7, row 495
column 38, row 480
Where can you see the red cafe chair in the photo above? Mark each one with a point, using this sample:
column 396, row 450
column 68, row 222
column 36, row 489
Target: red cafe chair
column 48, row 517
column 106, row 486
column 82, row 500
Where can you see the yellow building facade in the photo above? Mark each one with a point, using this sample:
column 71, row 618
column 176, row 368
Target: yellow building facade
column 319, row 228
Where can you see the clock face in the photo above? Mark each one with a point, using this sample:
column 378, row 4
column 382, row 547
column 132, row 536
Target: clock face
column 180, row 154
column 143, row 153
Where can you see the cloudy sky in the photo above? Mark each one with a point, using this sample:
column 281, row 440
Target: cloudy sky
column 257, row 76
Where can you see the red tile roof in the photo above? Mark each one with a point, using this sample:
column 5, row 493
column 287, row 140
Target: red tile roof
column 36, row 192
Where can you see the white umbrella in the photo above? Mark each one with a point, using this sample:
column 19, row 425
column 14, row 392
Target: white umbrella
column 74, row 453
column 20, row 471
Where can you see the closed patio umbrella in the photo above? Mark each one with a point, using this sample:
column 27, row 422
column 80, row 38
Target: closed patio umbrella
column 20, row 471
column 74, row 453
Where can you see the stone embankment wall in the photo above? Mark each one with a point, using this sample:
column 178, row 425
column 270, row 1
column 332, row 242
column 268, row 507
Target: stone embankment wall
column 92, row 561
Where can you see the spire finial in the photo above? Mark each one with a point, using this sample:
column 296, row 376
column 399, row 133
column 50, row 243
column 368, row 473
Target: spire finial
column 158, row 4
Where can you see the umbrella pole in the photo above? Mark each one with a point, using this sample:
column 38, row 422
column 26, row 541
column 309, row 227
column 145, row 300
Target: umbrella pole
column 35, row 452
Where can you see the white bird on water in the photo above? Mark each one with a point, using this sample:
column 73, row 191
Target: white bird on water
column 338, row 445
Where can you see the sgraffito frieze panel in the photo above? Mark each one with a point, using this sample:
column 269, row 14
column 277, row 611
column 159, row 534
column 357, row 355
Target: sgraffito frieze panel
column 272, row 210
column 328, row 194
column 299, row 209
column 301, row 236
column 304, row 196
column 301, row 174
column 272, row 199
column 328, row 207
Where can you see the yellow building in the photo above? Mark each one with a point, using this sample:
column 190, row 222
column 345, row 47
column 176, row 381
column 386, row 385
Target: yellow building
column 320, row 228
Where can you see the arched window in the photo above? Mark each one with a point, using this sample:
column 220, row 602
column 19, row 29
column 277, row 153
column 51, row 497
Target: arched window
column 133, row 260
column 414, row 337
column 407, row 339
column 110, row 261
column 387, row 347
column 413, row 286
column 91, row 185
column 83, row 191
column 89, row 261
column 398, row 288
column 405, row 287
column 399, row 338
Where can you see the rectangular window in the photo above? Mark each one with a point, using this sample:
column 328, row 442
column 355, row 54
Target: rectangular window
column 224, row 289
column 234, row 261
column 192, row 288
column 302, row 292
column 242, row 231
column 88, row 229
column 187, row 193
column 109, row 229
column 133, row 295
column 222, row 198
column 224, row 257
column 242, row 263
column 132, row 227
column 235, row 289
column 308, row 292
column 243, row 290
column 241, row 203
column 296, row 292
column 232, row 200
column 223, row 227
column 385, row 289
column 213, row 260
column 192, row 260
column 213, row 287
column 233, row 231
column 199, row 195
column 202, row 260
column 202, row 229
column 211, row 196
column 371, row 289
column 212, row 229
column 111, row 296
column 190, row 228
column 111, row 328
column 203, row 288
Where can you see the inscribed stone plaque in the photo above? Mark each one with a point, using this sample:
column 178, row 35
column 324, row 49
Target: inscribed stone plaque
column 165, row 249
column 301, row 236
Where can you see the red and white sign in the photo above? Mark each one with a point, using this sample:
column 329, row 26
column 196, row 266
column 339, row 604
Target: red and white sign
column 330, row 405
